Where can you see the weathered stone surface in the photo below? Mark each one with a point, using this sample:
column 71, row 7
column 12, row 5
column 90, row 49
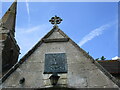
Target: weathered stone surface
column 77, row 81
column 46, row 76
column 9, row 51
column 82, row 72
column 32, row 66
column 62, row 81
column 13, row 81
column 96, row 78
column 56, row 35
column 32, row 79
column 0, row 60
column 47, row 83
column 90, row 67
column 63, row 76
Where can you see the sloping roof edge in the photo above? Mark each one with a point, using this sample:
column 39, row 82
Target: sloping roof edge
column 117, row 60
column 117, row 82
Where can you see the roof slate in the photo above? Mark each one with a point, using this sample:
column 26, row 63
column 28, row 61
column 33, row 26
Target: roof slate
column 112, row 66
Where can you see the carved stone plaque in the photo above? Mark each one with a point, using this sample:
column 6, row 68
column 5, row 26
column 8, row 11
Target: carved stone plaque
column 55, row 62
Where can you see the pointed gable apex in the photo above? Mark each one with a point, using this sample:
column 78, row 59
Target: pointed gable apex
column 64, row 38
column 9, row 18
column 55, row 33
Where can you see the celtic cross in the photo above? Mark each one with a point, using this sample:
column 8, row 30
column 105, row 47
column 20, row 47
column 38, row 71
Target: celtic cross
column 55, row 20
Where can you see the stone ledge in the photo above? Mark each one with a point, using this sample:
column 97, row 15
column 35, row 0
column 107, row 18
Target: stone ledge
column 56, row 40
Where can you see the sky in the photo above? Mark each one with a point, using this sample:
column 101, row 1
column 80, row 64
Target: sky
column 92, row 25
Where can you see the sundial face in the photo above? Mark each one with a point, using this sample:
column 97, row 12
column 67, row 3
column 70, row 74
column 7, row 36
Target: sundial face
column 55, row 63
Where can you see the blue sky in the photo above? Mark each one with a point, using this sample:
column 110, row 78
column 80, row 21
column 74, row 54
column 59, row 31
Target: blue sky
column 92, row 25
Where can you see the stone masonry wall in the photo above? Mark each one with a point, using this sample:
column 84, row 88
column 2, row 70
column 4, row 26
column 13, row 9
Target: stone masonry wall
column 82, row 73
column 9, row 50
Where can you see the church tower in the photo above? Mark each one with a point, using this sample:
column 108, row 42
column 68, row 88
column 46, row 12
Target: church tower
column 9, row 50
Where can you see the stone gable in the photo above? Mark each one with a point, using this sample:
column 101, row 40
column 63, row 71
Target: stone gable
column 81, row 69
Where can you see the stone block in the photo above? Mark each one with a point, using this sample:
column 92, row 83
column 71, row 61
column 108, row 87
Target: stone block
column 77, row 82
column 47, row 82
column 55, row 48
column 36, row 58
column 32, row 79
column 62, row 81
column 96, row 78
column 55, row 35
column 46, row 76
column 76, row 67
column 32, row 66
column 90, row 66
column 63, row 76
column 12, row 81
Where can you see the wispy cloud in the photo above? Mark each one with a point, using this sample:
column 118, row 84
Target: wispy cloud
column 37, row 28
column 28, row 37
column 33, row 29
column 28, row 10
column 94, row 33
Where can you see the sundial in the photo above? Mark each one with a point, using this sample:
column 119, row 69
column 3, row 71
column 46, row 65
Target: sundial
column 55, row 20
column 55, row 62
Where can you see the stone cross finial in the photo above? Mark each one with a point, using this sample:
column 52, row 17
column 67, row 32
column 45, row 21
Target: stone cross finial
column 55, row 20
